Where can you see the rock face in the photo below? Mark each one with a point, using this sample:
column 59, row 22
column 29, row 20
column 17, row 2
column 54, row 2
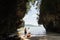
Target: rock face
column 8, row 16
column 50, row 15
column 21, row 11
column 11, row 11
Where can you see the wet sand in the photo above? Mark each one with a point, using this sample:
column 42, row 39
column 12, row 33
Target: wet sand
column 53, row 36
column 49, row 36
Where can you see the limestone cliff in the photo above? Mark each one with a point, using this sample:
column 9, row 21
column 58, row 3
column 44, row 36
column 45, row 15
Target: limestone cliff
column 11, row 11
column 50, row 15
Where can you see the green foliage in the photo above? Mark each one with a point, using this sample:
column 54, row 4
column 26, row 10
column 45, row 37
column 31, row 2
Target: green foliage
column 27, row 4
column 31, row 0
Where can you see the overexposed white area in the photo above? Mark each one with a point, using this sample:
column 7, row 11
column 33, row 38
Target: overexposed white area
column 31, row 16
column 31, row 23
column 36, row 30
